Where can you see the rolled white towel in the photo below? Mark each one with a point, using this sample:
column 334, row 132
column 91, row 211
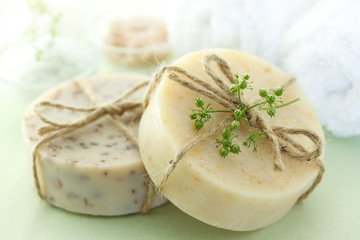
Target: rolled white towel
column 254, row 26
column 322, row 49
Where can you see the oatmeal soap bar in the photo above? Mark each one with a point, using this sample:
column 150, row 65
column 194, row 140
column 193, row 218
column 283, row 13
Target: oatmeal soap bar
column 240, row 192
column 94, row 169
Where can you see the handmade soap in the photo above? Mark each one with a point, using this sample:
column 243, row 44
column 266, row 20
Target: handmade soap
column 240, row 192
column 94, row 169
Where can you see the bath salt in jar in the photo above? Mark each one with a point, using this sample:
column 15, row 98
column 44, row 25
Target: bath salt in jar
column 133, row 41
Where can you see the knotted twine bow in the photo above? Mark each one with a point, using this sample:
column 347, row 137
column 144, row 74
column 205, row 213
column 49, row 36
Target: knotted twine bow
column 110, row 110
column 280, row 137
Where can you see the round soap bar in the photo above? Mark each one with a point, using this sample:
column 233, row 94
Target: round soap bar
column 95, row 169
column 240, row 192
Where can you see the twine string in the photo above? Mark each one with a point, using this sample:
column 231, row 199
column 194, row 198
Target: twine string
column 111, row 111
column 280, row 137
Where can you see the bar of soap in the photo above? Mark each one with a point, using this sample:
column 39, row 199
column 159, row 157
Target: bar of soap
column 241, row 192
column 93, row 170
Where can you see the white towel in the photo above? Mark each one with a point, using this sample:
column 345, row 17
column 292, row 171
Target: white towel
column 322, row 49
column 254, row 26
column 316, row 41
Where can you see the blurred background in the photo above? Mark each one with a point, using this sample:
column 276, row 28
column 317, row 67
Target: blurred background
column 44, row 42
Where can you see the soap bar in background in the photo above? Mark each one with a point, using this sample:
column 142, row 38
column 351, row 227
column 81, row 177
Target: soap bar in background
column 95, row 169
column 241, row 192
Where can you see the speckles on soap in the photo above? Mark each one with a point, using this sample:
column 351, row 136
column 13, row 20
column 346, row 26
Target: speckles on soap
column 98, row 131
column 72, row 162
column 54, row 147
column 80, row 150
column 218, row 167
column 197, row 179
column 70, row 138
column 164, row 119
column 83, row 145
column 52, row 154
column 86, row 202
column 51, row 199
column 71, row 195
column 33, row 139
column 268, row 69
column 133, row 191
column 58, row 183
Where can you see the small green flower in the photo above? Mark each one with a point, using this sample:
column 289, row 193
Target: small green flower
column 227, row 142
column 226, row 133
column 278, row 91
column 271, row 111
column 235, row 124
column 193, row 116
column 243, row 84
column 270, row 99
column 238, row 113
column 224, row 152
column 263, row 92
column 198, row 125
column 203, row 113
column 199, row 102
column 234, row 88
column 235, row 148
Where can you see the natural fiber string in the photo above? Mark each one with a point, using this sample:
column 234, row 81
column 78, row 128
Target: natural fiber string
column 149, row 195
column 280, row 137
column 110, row 110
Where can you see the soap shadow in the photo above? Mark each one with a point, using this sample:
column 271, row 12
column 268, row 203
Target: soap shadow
column 164, row 222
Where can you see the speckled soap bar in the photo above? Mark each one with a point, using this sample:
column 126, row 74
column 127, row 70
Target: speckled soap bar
column 94, row 169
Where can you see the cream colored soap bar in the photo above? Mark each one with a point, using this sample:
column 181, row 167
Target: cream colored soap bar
column 93, row 170
column 241, row 192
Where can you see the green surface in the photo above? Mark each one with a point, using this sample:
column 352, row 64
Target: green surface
column 331, row 212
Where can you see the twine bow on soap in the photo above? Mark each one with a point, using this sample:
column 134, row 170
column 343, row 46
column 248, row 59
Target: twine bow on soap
column 280, row 137
column 112, row 110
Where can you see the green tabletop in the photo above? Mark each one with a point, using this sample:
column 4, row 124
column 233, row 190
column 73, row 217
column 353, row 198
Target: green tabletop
column 331, row 212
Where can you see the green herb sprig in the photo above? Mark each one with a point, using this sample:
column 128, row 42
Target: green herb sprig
column 272, row 100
